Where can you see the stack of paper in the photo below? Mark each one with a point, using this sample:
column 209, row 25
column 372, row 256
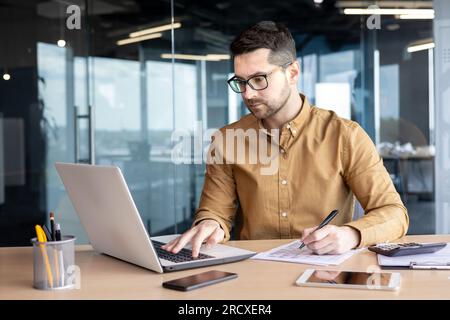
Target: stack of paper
column 441, row 257
column 291, row 253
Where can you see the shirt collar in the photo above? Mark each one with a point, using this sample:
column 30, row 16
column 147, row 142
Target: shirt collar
column 295, row 124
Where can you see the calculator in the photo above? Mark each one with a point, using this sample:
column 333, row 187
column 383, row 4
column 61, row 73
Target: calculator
column 406, row 249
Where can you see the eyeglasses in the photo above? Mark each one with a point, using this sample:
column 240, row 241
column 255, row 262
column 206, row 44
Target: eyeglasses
column 258, row 82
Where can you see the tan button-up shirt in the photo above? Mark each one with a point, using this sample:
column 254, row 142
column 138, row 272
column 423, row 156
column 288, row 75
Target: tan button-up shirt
column 323, row 162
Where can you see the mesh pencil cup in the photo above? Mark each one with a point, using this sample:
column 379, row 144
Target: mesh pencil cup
column 51, row 261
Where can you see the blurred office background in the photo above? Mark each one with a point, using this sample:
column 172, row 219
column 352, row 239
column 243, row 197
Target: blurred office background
column 103, row 94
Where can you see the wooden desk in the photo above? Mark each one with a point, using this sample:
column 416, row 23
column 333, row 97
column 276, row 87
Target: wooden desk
column 103, row 277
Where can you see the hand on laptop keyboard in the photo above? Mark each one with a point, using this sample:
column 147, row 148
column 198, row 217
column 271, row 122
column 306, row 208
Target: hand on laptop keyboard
column 183, row 256
column 208, row 231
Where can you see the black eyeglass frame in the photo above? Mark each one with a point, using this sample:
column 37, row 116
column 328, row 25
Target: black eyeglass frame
column 247, row 82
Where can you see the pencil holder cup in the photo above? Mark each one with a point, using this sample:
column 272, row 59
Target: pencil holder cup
column 52, row 262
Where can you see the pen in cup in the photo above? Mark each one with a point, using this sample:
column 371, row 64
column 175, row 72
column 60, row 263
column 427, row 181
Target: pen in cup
column 47, row 233
column 52, row 225
column 323, row 224
column 60, row 255
column 55, row 251
column 58, row 232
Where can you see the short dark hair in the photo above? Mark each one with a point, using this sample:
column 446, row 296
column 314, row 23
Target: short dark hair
column 266, row 35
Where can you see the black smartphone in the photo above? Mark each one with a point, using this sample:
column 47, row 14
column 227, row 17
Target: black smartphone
column 199, row 280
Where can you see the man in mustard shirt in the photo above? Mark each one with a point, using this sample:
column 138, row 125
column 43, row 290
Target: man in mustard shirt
column 323, row 162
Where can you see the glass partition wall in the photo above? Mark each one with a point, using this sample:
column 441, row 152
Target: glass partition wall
column 123, row 82
column 44, row 76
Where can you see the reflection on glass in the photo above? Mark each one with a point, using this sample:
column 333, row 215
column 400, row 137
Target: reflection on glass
column 336, row 87
column 117, row 108
column 57, row 103
column 346, row 277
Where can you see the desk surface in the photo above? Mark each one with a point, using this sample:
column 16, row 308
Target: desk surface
column 103, row 277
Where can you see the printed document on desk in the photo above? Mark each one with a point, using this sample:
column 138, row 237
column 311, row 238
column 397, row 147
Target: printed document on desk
column 290, row 253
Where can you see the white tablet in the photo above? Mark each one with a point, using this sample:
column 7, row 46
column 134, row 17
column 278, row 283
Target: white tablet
column 350, row 279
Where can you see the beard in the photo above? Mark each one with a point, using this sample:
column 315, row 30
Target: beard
column 263, row 109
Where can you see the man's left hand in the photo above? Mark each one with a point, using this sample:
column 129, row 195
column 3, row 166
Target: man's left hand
column 331, row 239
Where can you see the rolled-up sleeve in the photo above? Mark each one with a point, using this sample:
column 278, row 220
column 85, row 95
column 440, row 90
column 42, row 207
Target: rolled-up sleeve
column 385, row 218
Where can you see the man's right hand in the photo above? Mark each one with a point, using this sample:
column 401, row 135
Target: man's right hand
column 207, row 230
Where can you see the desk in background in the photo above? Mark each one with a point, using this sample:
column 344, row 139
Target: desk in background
column 399, row 167
column 103, row 277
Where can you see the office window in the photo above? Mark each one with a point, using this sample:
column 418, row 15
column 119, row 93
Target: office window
column 136, row 95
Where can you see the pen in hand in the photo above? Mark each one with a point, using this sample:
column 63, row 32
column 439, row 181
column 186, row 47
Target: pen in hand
column 323, row 224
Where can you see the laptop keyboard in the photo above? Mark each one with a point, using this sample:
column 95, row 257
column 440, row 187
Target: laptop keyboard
column 183, row 255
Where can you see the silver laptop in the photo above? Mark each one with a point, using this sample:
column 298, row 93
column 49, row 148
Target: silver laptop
column 112, row 222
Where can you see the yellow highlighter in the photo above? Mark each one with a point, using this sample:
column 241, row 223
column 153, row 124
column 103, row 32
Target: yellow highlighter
column 42, row 238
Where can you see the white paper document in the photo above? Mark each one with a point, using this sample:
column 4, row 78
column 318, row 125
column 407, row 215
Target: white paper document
column 441, row 257
column 290, row 253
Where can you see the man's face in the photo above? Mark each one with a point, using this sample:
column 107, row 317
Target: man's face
column 262, row 103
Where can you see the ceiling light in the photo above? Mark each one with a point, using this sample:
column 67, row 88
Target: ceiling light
column 208, row 57
column 137, row 39
column 155, row 29
column 416, row 16
column 6, row 76
column 218, row 56
column 368, row 11
column 61, row 43
column 420, row 47
column 384, row 4
column 393, row 27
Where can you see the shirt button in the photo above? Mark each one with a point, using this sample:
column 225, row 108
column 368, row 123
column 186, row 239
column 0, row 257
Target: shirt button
column 283, row 182
column 288, row 126
column 294, row 131
column 284, row 214
column 282, row 151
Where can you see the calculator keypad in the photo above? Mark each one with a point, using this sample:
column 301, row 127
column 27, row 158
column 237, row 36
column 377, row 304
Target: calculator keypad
column 388, row 247
column 393, row 246
column 412, row 244
column 403, row 249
